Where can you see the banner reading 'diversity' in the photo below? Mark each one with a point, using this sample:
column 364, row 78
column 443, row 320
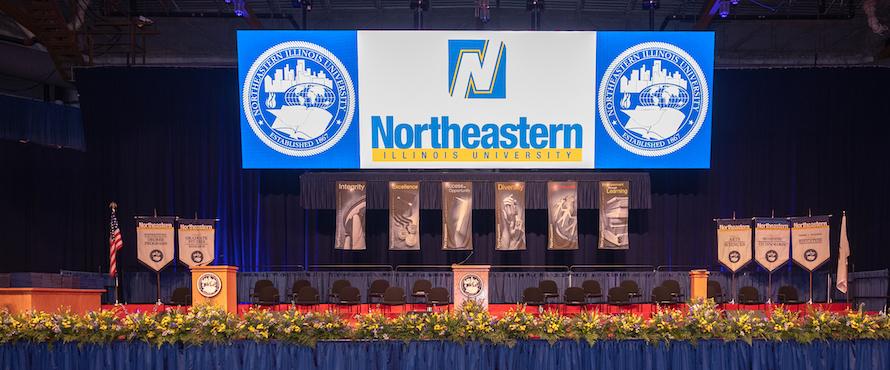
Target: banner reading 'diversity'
column 350, row 215
column 510, row 215
column 562, row 211
column 475, row 99
column 457, row 215
column 404, row 216
column 154, row 241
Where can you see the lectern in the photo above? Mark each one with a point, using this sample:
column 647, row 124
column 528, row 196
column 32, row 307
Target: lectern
column 698, row 284
column 470, row 282
column 215, row 285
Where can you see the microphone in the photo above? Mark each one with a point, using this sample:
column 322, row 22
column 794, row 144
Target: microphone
column 468, row 257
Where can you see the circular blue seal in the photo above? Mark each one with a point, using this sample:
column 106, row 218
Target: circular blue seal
column 298, row 98
column 653, row 99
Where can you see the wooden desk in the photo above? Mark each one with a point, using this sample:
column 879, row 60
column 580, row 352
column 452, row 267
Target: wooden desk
column 50, row 299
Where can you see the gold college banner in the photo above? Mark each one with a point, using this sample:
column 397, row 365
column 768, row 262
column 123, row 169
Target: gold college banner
column 772, row 242
column 404, row 216
column 509, row 198
column 614, row 203
column 350, row 215
column 734, row 243
column 810, row 241
column 562, row 212
column 457, row 215
column 197, row 241
column 154, row 241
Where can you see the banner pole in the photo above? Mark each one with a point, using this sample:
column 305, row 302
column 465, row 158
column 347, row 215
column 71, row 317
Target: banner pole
column 732, row 288
column 117, row 287
column 769, row 288
column 811, row 288
column 158, row 275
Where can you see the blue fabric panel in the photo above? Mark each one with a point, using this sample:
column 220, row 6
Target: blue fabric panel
column 437, row 355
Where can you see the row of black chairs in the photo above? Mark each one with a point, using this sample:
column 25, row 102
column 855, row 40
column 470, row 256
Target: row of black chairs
column 302, row 293
column 343, row 293
column 627, row 291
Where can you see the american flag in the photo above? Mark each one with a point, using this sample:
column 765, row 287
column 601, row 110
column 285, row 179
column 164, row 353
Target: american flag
column 114, row 241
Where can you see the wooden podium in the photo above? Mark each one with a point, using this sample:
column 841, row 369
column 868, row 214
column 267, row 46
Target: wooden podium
column 470, row 282
column 698, row 284
column 215, row 285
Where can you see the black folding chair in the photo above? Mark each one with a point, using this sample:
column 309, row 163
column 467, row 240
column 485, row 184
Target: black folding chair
column 349, row 297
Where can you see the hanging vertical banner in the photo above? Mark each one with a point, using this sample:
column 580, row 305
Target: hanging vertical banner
column 350, row 215
column 197, row 242
column 562, row 214
column 809, row 241
column 509, row 214
column 154, row 241
column 614, row 203
column 772, row 242
column 404, row 216
column 457, row 215
column 734, row 243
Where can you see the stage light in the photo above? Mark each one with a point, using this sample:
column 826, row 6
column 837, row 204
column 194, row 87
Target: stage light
column 724, row 9
column 240, row 7
column 143, row 21
column 419, row 4
column 651, row 4
column 483, row 11
column 534, row 5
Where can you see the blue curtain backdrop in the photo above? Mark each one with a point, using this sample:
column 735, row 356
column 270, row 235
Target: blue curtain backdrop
column 167, row 139
column 435, row 355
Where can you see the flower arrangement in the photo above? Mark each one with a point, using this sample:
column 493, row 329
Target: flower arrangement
column 588, row 326
column 517, row 324
column 553, row 326
column 472, row 322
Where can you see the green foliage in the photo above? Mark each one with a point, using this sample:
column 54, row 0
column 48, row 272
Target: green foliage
column 472, row 322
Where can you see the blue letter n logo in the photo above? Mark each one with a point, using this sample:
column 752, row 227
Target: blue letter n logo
column 474, row 71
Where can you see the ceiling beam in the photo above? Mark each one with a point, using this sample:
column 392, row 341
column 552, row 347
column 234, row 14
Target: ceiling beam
column 251, row 18
column 708, row 11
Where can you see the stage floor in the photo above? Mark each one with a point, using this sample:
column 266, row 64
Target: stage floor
column 644, row 309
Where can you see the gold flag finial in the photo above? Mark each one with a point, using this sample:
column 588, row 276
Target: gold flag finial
column 112, row 205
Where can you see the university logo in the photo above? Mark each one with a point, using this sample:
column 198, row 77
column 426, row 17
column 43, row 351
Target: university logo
column 197, row 257
column 471, row 285
column 156, row 255
column 475, row 71
column 209, row 284
column 810, row 255
column 653, row 99
column 298, row 98
column 735, row 257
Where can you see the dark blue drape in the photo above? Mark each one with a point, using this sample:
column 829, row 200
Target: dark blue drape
column 169, row 139
column 41, row 123
column 435, row 355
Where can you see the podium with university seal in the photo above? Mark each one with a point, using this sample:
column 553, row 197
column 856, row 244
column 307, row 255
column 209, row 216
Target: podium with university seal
column 470, row 283
column 215, row 285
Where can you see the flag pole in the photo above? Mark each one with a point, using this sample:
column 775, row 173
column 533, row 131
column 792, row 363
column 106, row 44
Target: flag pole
column 113, row 206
